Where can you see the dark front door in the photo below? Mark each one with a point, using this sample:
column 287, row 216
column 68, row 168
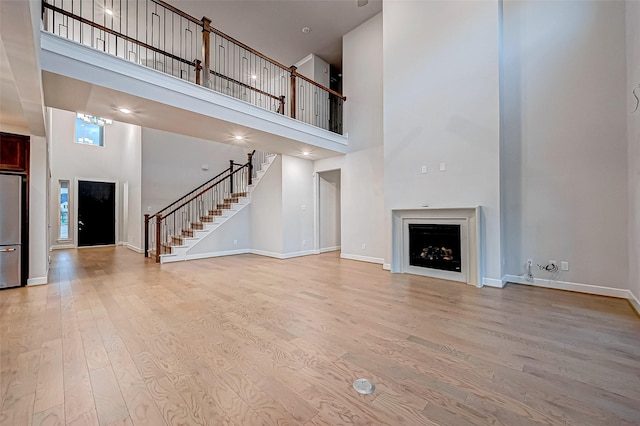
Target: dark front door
column 96, row 213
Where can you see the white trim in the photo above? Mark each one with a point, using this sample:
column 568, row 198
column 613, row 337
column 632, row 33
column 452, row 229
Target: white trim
column 216, row 254
column 266, row 253
column 62, row 246
column 564, row 285
column 492, row 282
column 37, row 281
column 635, row 303
column 359, row 258
column 386, row 266
column 134, row 248
column 298, row 254
column 328, row 249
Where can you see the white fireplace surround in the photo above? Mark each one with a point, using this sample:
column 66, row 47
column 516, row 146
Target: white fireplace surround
column 470, row 242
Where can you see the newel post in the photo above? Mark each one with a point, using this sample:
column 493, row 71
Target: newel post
column 250, row 162
column 206, row 50
column 293, row 91
column 158, row 244
column 146, row 235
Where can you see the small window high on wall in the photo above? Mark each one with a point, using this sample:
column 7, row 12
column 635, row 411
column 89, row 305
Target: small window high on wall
column 90, row 129
column 63, row 202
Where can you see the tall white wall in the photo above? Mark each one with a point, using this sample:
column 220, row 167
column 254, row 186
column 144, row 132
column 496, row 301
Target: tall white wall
column 297, row 205
column 266, row 211
column 564, row 159
column 172, row 165
column 362, row 217
column 38, row 207
column 633, row 80
column 112, row 162
column 131, row 228
column 441, row 105
column 329, row 209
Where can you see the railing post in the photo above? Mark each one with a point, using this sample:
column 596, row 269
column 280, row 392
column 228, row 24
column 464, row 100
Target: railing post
column 158, row 245
column 281, row 106
column 293, row 91
column 198, row 72
column 250, row 162
column 206, row 50
column 146, row 235
column 230, row 177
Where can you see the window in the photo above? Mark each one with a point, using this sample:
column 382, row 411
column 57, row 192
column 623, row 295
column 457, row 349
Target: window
column 63, row 201
column 90, row 129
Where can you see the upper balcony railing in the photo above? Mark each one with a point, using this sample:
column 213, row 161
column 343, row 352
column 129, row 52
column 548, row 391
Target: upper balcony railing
column 157, row 35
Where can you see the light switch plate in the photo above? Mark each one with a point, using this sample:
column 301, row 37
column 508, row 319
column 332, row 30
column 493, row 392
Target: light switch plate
column 442, row 167
column 424, row 169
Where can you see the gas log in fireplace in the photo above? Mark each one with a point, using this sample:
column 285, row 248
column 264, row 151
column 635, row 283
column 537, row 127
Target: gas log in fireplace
column 435, row 246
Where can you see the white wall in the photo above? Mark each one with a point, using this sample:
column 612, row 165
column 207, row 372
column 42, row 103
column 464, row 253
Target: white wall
column 131, row 226
column 441, row 105
column 362, row 218
column 297, row 205
column 233, row 234
column 633, row 80
column 71, row 161
column 564, row 159
column 172, row 165
column 38, row 207
column 266, row 211
column 329, row 209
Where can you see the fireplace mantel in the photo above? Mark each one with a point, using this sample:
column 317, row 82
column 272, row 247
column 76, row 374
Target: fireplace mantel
column 471, row 216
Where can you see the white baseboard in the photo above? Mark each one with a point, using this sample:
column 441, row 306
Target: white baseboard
column 283, row 255
column 216, row 254
column 386, row 266
column 134, row 248
column 62, row 246
column 492, row 282
column 635, row 302
column 298, row 254
column 378, row 260
column 577, row 287
column 328, row 249
column 37, row 281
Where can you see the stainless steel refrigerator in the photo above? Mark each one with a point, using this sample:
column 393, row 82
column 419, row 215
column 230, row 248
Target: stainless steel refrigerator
column 10, row 230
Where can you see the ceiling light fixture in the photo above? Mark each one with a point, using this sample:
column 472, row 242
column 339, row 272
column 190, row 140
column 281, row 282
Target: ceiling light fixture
column 124, row 110
column 306, row 30
column 253, row 76
column 108, row 12
column 305, row 153
column 238, row 138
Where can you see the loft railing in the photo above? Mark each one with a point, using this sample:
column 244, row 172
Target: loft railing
column 157, row 35
column 188, row 214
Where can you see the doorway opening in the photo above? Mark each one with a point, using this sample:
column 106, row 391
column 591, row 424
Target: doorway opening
column 96, row 213
column 329, row 205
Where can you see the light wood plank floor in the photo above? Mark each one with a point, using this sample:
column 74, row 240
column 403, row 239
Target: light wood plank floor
column 249, row 340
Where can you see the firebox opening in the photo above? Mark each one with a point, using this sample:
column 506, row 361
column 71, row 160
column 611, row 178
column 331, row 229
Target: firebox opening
column 435, row 246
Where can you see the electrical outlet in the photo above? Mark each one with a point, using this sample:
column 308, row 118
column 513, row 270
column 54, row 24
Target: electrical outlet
column 424, row 169
column 364, row 247
column 443, row 167
column 564, row 266
column 235, row 242
column 304, row 242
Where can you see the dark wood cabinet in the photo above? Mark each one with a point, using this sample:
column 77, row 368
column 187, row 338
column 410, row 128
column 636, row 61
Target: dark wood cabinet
column 14, row 152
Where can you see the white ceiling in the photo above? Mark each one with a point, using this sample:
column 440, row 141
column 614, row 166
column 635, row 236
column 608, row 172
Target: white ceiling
column 274, row 27
column 12, row 117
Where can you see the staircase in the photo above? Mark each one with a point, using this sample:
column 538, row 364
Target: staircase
column 170, row 233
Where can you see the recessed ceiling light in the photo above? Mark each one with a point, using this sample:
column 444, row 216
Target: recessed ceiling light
column 306, row 30
column 305, row 153
column 124, row 110
column 253, row 76
column 108, row 12
column 238, row 137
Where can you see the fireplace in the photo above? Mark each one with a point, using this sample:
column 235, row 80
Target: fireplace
column 435, row 246
column 437, row 242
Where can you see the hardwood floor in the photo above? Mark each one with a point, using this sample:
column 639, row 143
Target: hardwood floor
column 249, row 340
